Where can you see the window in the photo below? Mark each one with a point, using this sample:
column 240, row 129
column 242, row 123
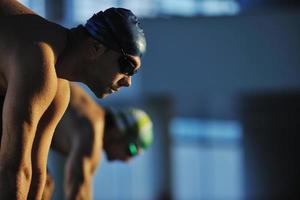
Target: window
column 153, row 8
column 206, row 159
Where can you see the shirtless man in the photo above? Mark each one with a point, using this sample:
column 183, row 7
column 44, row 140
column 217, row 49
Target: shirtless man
column 37, row 59
column 86, row 129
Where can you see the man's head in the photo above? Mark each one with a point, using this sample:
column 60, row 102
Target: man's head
column 115, row 46
column 127, row 133
column 119, row 30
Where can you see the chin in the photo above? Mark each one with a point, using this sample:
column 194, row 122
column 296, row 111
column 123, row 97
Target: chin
column 104, row 96
column 109, row 159
column 108, row 156
column 98, row 92
column 101, row 95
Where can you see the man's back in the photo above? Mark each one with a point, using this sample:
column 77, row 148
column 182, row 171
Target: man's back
column 13, row 7
column 20, row 30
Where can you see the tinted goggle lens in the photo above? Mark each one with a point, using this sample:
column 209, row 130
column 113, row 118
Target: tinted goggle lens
column 126, row 66
column 132, row 149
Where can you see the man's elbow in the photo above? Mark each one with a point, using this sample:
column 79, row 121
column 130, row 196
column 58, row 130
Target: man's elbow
column 20, row 170
column 15, row 180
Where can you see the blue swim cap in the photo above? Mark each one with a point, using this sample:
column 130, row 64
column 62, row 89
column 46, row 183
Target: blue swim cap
column 118, row 28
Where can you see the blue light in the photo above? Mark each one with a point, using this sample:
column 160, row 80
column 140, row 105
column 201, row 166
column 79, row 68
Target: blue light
column 215, row 7
column 205, row 129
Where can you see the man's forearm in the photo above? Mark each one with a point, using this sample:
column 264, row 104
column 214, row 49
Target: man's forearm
column 45, row 130
column 79, row 190
column 14, row 184
column 78, row 177
column 15, row 164
column 49, row 188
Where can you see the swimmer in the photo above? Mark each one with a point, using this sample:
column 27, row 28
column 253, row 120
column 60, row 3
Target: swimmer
column 38, row 58
column 87, row 129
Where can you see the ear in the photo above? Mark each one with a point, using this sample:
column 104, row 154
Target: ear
column 96, row 48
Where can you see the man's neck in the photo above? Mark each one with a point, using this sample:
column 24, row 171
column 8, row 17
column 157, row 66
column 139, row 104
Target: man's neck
column 62, row 68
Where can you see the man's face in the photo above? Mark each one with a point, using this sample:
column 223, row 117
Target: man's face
column 107, row 76
column 119, row 148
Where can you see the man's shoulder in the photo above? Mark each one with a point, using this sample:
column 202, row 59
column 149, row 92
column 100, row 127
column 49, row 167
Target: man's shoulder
column 33, row 70
column 36, row 56
column 31, row 30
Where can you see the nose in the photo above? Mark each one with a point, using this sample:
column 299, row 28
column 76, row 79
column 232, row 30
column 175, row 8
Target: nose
column 125, row 81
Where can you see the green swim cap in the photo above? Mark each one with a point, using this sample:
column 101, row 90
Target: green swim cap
column 135, row 124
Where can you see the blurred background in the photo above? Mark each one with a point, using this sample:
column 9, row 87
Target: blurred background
column 221, row 80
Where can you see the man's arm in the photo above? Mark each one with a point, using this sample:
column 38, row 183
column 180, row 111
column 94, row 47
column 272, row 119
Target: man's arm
column 78, row 176
column 66, row 141
column 79, row 137
column 31, row 88
column 49, row 187
column 44, row 134
column 62, row 138
column 83, row 159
